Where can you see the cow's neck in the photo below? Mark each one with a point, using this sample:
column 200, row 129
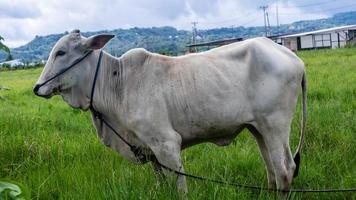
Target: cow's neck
column 109, row 85
column 108, row 100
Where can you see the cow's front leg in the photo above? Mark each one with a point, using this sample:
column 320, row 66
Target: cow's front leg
column 157, row 168
column 168, row 155
column 166, row 146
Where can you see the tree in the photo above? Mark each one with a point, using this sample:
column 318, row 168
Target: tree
column 9, row 57
column 7, row 50
column 3, row 47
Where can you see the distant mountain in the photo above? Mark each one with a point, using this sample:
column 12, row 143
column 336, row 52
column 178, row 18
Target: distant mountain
column 162, row 39
column 168, row 40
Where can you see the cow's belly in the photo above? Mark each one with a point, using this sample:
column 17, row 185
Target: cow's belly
column 218, row 136
column 211, row 114
column 209, row 122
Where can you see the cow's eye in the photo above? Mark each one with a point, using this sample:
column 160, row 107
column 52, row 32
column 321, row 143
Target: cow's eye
column 60, row 53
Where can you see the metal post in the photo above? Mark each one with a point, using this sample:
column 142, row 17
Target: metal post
column 268, row 24
column 277, row 19
column 264, row 17
column 194, row 35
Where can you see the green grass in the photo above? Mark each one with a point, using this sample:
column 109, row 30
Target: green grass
column 53, row 149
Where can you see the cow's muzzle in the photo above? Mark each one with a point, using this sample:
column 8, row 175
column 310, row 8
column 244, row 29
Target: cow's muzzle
column 36, row 88
column 37, row 92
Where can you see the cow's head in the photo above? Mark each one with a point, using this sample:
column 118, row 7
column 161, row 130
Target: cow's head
column 73, row 85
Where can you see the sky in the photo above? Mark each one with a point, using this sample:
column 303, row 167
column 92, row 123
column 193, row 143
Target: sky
column 22, row 20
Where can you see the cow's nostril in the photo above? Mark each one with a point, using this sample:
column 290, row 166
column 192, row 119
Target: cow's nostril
column 36, row 88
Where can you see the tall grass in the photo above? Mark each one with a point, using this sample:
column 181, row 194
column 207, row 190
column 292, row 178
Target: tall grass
column 53, row 149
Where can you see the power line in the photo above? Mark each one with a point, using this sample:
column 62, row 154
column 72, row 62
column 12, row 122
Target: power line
column 247, row 20
column 228, row 20
column 250, row 21
column 277, row 12
column 323, row 10
column 310, row 4
column 266, row 16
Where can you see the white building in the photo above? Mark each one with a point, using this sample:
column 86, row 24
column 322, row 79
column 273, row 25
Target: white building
column 13, row 63
column 326, row 38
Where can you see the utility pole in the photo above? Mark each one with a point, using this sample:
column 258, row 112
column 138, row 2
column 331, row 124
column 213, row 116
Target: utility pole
column 264, row 17
column 268, row 24
column 233, row 30
column 194, row 34
column 277, row 17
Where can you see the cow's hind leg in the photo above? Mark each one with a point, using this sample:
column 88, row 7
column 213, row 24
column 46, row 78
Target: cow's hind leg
column 264, row 152
column 275, row 133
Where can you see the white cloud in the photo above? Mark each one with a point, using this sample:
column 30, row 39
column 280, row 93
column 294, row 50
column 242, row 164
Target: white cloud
column 15, row 9
column 22, row 20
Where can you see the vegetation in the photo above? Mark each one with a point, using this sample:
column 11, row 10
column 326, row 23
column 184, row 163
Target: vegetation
column 3, row 47
column 7, row 67
column 171, row 40
column 54, row 151
column 7, row 50
column 9, row 57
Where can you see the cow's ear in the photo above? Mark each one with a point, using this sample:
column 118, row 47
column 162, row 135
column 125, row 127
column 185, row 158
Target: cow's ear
column 97, row 41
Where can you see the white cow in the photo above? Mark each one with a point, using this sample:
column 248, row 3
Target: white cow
column 164, row 104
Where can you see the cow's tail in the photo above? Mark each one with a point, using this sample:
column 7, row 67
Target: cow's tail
column 303, row 125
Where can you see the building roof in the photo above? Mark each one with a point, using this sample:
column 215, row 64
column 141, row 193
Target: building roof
column 216, row 42
column 334, row 29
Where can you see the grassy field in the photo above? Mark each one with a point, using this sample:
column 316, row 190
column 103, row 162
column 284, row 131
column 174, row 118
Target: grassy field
column 53, row 149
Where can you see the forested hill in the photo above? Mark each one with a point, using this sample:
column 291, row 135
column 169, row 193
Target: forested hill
column 169, row 40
